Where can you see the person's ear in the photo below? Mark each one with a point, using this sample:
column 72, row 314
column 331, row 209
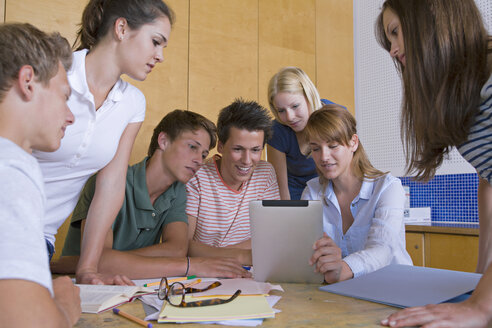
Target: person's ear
column 121, row 28
column 25, row 82
column 163, row 140
column 354, row 143
column 220, row 147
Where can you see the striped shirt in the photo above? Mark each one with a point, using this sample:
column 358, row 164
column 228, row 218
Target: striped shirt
column 223, row 213
column 477, row 150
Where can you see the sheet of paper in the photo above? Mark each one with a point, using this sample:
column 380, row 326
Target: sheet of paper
column 406, row 286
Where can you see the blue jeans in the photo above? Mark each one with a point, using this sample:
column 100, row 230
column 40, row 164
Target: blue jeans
column 51, row 249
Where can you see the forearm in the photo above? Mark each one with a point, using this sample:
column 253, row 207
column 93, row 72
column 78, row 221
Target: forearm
column 482, row 296
column 103, row 210
column 485, row 227
column 140, row 267
column 197, row 249
column 242, row 245
column 163, row 250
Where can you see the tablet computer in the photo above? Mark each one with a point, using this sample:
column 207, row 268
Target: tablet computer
column 282, row 236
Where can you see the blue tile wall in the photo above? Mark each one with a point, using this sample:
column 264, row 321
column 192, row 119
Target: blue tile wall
column 452, row 197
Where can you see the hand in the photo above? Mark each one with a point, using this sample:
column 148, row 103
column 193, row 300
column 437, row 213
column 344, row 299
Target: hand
column 465, row 314
column 327, row 257
column 67, row 298
column 96, row 278
column 213, row 267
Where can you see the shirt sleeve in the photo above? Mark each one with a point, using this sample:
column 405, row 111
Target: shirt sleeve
column 140, row 106
column 177, row 213
column 384, row 235
column 193, row 196
column 271, row 192
column 279, row 139
column 23, row 253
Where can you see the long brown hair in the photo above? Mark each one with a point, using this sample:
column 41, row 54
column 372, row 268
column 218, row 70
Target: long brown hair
column 333, row 123
column 446, row 48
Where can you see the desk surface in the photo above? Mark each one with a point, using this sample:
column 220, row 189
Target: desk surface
column 301, row 306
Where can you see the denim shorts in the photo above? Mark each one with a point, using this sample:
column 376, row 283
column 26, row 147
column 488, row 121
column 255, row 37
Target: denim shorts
column 51, row 249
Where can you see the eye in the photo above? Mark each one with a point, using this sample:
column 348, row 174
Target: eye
column 280, row 110
column 333, row 146
column 204, row 155
column 256, row 150
column 192, row 146
column 156, row 42
column 295, row 106
column 236, row 149
column 314, row 149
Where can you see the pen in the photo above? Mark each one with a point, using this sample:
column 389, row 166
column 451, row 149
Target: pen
column 193, row 283
column 247, row 268
column 132, row 318
column 170, row 281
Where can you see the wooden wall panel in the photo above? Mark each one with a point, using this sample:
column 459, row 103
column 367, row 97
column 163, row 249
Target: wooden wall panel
column 2, row 11
column 335, row 51
column 223, row 54
column 286, row 38
column 53, row 15
column 166, row 88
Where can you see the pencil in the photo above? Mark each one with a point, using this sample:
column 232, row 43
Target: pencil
column 193, row 283
column 132, row 318
column 169, row 281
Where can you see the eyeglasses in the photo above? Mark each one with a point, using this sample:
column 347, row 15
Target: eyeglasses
column 175, row 294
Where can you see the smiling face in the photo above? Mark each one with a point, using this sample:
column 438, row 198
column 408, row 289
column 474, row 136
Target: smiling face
column 184, row 156
column 292, row 110
column 394, row 34
column 52, row 112
column 333, row 159
column 240, row 155
column 141, row 49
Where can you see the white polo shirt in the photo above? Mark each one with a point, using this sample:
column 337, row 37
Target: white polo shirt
column 89, row 144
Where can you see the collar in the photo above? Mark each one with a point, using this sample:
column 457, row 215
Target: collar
column 141, row 192
column 78, row 79
column 365, row 192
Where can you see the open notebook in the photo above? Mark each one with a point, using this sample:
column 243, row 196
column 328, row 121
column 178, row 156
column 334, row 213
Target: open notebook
column 100, row 298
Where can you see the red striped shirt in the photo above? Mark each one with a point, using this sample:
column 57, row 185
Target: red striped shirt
column 223, row 213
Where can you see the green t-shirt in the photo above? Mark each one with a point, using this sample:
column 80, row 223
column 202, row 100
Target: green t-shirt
column 138, row 223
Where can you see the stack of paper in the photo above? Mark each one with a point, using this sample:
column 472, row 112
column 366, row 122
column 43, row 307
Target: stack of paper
column 243, row 307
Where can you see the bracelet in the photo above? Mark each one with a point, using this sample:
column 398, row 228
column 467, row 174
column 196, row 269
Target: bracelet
column 187, row 266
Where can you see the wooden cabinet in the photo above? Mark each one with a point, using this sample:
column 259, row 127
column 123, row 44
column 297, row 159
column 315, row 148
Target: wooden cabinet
column 441, row 247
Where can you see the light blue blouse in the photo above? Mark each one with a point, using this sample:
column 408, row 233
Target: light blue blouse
column 376, row 238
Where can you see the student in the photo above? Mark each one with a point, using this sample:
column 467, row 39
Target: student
column 116, row 37
column 33, row 115
column 154, row 207
column 220, row 192
column 444, row 56
column 292, row 98
column 362, row 206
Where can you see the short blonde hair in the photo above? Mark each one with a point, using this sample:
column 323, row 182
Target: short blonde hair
column 24, row 44
column 293, row 80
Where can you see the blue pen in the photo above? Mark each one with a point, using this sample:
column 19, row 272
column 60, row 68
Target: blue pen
column 247, row 268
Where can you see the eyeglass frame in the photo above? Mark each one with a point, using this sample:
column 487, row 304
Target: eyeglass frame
column 164, row 295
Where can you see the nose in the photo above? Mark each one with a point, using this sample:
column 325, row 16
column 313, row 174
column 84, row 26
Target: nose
column 325, row 154
column 289, row 115
column 70, row 118
column 246, row 158
column 394, row 49
column 159, row 56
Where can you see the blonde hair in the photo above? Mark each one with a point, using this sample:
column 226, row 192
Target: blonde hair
column 333, row 123
column 293, row 80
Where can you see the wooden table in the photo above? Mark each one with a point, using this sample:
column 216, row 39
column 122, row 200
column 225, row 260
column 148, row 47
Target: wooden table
column 301, row 305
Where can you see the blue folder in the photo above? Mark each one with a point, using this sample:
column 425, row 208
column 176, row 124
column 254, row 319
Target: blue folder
column 406, row 286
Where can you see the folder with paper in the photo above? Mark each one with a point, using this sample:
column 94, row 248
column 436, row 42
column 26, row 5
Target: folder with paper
column 406, row 285
column 243, row 307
